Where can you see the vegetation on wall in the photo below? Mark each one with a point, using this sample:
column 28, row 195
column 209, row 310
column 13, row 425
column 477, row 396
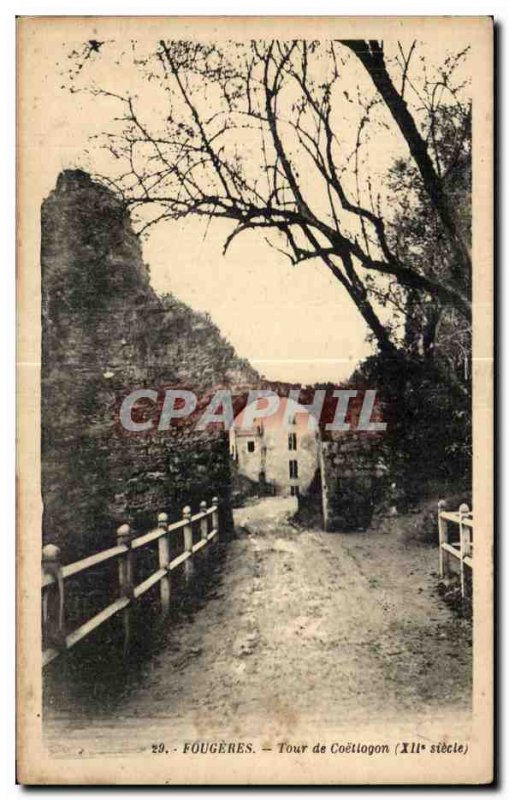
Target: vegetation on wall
column 104, row 332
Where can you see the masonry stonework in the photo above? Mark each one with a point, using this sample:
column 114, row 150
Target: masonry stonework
column 105, row 332
column 352, row 481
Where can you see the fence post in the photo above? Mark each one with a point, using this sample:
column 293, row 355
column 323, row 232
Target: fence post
column 53, row 598
column 215, row 517
column 464, row 544
column 164, row 563
column 188, row 542
column 204, row 529
column 204, row 524
column 125, row 580
column 442, row 537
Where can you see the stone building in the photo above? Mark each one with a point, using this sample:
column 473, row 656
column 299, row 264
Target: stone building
column 278, row 453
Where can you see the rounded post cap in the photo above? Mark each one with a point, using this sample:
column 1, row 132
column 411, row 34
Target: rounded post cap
column 162, row 517
column 464, row 509
column 442, row 504
column 125, row 528
column 186, row 511
column 50, row 552
column 124, row 531
column 215, row 500
column 203, row 505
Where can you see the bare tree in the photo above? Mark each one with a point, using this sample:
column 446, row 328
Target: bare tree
column 255, row 133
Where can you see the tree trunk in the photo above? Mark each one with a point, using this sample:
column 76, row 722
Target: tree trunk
column 370, row 54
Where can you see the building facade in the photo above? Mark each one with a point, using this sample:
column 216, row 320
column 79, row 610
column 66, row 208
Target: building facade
column 279, row 452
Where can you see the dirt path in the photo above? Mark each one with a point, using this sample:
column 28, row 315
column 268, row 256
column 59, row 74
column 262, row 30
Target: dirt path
column 304, row 630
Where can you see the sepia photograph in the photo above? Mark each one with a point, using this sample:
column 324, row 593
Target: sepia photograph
column 255, row 400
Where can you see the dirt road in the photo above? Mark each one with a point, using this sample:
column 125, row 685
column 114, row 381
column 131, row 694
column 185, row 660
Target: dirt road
column 304, row 629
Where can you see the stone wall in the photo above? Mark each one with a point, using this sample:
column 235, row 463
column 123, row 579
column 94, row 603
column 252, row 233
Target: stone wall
column 351, row 481
column 349, row 484
column 104, row 332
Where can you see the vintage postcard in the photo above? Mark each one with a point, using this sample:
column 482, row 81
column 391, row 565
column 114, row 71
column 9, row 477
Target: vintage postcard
column 255, row 392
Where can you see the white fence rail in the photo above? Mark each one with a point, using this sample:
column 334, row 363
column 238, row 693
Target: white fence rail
column 460, row 547
column 199, row 530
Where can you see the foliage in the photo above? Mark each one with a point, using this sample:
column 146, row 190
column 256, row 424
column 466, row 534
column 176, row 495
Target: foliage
column 429, row 434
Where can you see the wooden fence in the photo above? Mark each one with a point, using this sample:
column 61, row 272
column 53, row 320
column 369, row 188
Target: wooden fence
column 461, row 549
column 198, row 531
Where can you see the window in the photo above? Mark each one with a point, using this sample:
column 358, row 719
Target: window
column 294, row 491
column 292, row 441
column 294, row 470
column 250, row 447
